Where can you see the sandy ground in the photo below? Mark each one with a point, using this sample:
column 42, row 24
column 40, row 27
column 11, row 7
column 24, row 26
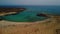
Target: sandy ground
column 48, row 26
column 2, row 14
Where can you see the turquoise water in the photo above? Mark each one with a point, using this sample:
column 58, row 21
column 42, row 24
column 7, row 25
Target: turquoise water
column 24, row 17
column 30, row 14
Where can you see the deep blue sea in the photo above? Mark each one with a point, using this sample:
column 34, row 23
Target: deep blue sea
column 30, row 14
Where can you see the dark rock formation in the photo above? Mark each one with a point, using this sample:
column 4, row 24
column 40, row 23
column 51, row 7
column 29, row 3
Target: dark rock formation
column 44, row 15
column 1, row 18
column 13, row 11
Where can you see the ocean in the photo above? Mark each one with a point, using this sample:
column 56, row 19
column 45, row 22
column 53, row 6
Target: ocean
column 30, row 14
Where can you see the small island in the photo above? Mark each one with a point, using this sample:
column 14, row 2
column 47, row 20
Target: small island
column 44, row 15
column 7, row 11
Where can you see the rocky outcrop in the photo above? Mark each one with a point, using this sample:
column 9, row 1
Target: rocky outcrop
column 1, row 18
column 5, row 11
column 44, row 15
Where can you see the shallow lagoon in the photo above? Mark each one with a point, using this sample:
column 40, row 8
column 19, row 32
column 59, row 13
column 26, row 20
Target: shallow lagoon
column 24, row 17
column 30, row 14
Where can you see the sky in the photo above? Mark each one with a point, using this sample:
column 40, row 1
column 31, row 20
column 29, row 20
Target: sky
column 29, row 2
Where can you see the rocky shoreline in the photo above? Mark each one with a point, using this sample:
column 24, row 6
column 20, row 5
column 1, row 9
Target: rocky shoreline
column 10, row 11
column 6, row 11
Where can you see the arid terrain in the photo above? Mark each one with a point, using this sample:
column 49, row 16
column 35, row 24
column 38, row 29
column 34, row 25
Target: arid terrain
column 5, row 11
column 40, row 27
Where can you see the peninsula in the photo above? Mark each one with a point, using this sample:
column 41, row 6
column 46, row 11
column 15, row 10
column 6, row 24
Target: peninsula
column 7, row 11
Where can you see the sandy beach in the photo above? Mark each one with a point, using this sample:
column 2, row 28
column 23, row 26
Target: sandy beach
column 47, row 26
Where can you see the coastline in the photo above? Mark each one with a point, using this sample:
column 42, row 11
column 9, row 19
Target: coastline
column 3, row 21
column 48, row 26
column 45, row 27
column 3, row 14
column 8, row 11
column 52, row 18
